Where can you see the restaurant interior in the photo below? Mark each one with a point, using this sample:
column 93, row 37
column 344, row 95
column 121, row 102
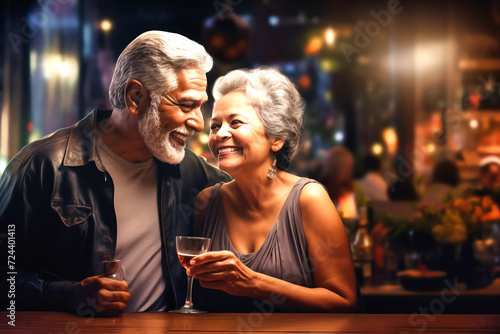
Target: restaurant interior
column 412, row 83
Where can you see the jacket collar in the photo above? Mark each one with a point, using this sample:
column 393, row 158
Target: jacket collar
column 84, row 138
column 82, row 143
column 168, row 169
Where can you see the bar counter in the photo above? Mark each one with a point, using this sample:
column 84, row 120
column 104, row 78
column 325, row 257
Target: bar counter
column 389, row 298
column 55, row 322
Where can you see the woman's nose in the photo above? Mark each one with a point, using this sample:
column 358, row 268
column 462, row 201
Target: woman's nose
column 223, row 133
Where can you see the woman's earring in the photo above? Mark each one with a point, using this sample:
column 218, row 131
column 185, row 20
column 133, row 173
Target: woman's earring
column 272, row 170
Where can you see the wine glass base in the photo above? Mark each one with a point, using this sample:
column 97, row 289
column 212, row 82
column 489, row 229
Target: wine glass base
column 187, row 311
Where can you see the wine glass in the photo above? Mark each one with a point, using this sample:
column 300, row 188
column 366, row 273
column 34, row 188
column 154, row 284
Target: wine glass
column 113, row 269
column 187, row 248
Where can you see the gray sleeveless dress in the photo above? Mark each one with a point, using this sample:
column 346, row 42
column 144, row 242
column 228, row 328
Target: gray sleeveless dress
column 283, row 254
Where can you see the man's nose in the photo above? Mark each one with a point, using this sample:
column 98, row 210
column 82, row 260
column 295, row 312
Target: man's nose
column 195, row 120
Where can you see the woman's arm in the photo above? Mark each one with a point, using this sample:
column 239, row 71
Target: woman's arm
column 329, row 254
column 329, row 249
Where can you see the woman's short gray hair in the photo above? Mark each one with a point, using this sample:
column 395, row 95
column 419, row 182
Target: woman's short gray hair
column 277, row 102
column 154, row 58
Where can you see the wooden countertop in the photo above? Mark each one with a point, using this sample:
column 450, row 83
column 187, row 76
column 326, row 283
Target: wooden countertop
column 55, row 322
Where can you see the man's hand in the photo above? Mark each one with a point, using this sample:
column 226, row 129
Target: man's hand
column 105, row 295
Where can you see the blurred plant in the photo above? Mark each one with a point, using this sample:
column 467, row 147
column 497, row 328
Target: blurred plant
column 361, row 199
column 453, row 221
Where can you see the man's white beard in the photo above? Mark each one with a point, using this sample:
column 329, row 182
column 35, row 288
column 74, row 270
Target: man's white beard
column 157, row 140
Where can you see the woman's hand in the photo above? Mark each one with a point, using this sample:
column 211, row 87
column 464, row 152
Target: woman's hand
column 222, row 270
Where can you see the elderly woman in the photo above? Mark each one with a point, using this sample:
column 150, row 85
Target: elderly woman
column 278, row 243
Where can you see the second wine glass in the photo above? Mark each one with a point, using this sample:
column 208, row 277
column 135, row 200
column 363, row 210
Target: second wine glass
column 113, row 269
column 187, row 248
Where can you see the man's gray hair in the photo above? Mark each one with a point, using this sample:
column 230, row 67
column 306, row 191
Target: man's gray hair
column 277, row 102
column 154, row 58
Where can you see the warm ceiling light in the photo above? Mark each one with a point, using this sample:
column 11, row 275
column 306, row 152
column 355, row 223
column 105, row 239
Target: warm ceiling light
column 377, row 149
column 430, row 147
column 391, row 139
column 473, row 124
column 329, row 36
column 106, row 25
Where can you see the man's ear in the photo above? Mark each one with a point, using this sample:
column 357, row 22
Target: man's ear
column 277, row 144
column 136, row 97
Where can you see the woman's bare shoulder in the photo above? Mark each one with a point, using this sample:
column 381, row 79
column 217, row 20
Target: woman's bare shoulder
column 316, row 203
column 312, row 192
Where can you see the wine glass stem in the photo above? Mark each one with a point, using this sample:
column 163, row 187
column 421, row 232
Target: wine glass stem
column 189, row 302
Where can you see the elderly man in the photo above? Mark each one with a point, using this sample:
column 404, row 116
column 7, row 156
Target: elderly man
column 118, row 184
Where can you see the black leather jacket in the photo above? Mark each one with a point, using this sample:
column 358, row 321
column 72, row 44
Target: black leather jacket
column 58, row 222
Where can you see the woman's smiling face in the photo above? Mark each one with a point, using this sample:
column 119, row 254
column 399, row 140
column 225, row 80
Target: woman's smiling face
column 237, row 136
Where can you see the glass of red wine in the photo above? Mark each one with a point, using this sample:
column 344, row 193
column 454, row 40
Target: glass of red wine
column 187, row 248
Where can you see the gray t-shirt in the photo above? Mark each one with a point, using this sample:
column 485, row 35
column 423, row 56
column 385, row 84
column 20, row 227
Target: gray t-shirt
column 138, row 242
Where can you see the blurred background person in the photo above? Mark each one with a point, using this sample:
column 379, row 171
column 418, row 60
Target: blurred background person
column 444, row 180
column 373, row 183
column 337, row 176
column 489, row 178
column 402, row 186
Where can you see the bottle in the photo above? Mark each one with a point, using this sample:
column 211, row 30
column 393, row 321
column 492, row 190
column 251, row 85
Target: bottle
column 362, row 250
